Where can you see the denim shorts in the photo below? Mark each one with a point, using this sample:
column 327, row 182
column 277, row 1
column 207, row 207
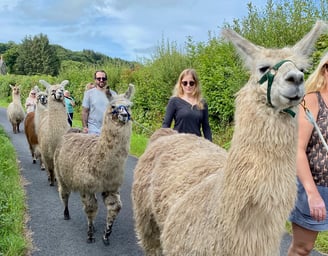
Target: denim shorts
column 301, row 212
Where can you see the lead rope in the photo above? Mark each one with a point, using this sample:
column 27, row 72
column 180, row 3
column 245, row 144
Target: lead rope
column 312, row 121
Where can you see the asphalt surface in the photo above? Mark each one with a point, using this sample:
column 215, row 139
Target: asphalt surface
column 54, row 236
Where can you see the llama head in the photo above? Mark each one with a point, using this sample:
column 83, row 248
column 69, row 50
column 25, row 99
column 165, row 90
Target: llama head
column 15, row 89
column 42, row 98
column 56, row 91
column 120, row 106
column 277, row 74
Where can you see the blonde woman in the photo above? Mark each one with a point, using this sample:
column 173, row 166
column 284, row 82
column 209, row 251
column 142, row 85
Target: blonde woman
column 309, row 216
column 187, row 107
column 30, row 102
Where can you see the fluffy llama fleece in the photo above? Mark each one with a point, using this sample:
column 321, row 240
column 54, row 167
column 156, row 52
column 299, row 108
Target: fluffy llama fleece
column 15, row 111
column 41, row 105
column 99, row 168
column 30, row 126
column 53, row 126
column 190, row 197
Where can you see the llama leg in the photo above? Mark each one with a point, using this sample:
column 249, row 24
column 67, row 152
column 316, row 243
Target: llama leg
column 90, row 208
column 113, row 204
column 51, row 177
column 34, row 157
column 147, row 231
column 64, row 195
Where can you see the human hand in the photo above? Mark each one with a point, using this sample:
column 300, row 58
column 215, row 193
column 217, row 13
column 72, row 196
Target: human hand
column 85, row 129
column 317, row 207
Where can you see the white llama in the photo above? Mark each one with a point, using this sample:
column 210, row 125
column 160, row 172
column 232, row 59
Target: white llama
column 53, row 125
column 191, row 198
column 15, row 111
column 90, row 164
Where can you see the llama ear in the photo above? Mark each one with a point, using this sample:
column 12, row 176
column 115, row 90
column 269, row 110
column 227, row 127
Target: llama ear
column 46, row 84
column 306, row 45
column 245, row 48
column 64, row 83
column 36, row 88
column 130, row 92
column 11, row 86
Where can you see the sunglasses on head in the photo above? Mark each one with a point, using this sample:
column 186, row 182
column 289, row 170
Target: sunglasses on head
column 101, row 78
column 185, row 83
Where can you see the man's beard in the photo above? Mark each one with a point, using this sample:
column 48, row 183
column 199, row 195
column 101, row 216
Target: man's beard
column 102, row 85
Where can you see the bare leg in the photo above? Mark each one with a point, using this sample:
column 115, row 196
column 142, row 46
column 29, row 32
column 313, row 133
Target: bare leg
column 90, row 208
column 113, row 204
column 302, row 241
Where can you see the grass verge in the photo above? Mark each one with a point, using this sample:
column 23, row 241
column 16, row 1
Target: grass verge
column 13, row 240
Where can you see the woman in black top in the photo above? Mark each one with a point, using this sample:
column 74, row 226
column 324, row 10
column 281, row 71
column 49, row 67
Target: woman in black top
column 187, row 107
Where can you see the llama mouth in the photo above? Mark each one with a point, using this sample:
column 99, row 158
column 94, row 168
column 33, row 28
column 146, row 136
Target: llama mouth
column 295, row 98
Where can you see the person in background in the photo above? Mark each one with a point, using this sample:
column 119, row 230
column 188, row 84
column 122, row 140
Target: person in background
column 30, row 102
column 94, row 104
column 90, row 86
column 187, row 107
column 70, row 104
column 309, row 215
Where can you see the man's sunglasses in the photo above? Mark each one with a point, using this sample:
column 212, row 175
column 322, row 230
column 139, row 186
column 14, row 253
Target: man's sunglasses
column 101, row 78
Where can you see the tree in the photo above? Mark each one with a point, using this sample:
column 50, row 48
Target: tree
column 280, row 23
column 37, row 56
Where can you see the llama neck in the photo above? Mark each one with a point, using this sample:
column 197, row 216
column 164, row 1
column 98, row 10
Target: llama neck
column 115, row 138
column 262, row 156
column 260, row 174
column 17, row 99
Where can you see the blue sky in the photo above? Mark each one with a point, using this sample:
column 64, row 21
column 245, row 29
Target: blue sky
column 127, row 29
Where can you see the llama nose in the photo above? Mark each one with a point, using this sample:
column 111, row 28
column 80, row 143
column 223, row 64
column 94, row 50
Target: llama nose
column 296, row 78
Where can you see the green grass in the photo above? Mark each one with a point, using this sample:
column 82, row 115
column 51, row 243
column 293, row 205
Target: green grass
column 138, row 144
column 13, row 239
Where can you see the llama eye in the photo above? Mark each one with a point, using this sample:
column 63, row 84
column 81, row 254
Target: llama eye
column 264, row 69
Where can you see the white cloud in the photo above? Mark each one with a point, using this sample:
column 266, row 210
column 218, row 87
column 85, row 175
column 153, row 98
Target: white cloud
column 126, row 29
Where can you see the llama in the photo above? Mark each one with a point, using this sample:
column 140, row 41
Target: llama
column 53, row 125
column 100, row 168
column 41, row 105
column 191, row 197
column 15, row 111
column 30, row 126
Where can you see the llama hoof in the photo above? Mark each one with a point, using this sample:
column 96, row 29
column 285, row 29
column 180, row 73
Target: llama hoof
column 66, row 214
column 105, row 240
column 91, row 240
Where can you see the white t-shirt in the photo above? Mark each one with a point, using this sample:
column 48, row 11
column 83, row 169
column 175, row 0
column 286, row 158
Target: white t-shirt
column 96, row 101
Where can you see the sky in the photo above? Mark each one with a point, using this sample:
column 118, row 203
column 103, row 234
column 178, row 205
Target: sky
column 126, row 29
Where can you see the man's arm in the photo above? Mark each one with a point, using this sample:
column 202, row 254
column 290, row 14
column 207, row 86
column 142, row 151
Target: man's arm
column 85, row 115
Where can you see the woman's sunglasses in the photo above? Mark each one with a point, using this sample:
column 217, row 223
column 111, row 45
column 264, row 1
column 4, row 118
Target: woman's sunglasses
column 185, row 83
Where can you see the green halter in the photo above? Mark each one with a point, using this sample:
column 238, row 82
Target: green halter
column 269, row 76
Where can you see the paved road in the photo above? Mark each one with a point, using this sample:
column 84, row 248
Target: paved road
column 54, row 236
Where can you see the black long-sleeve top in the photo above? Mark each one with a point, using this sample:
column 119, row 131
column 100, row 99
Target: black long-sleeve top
column 187, row 118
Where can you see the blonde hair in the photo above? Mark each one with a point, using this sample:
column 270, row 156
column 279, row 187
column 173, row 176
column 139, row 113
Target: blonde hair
column 316, row 80
column 178, row 91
